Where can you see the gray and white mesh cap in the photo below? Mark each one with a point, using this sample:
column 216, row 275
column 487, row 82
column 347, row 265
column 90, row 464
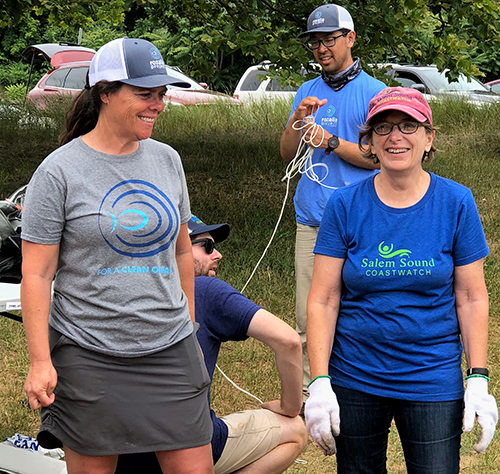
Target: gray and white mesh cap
column 327, row 18
column 136, row 62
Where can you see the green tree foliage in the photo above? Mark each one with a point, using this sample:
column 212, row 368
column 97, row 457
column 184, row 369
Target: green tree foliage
column 215, row 40
column 71, row 14
column 208, row 36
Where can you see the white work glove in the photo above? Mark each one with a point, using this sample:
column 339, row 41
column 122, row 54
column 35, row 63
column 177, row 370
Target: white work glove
column 322, row 415
column 483, row 406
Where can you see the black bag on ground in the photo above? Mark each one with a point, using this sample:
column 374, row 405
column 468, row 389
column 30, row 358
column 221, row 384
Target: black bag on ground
column 10, row 237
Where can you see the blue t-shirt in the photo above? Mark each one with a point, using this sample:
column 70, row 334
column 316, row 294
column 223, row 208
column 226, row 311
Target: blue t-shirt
column 224, row 314
column 343, row 115
column 397, row 333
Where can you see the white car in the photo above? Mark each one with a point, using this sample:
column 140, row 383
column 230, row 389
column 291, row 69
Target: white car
column 255, row 86
column 435, row 85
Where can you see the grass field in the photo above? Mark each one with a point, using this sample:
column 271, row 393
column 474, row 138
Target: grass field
column 234, row 171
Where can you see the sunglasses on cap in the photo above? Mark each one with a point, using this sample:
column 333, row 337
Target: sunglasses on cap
column 209, row 244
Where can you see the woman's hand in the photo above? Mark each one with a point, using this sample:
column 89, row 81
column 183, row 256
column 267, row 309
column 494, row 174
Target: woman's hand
column 322, row 414
column 480, row 405
column 40, row 385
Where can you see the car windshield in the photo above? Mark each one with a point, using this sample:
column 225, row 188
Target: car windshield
column 182, row 77
column 440, row 82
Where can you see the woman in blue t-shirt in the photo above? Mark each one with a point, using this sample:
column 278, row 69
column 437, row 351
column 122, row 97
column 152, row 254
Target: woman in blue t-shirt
column 397, row 288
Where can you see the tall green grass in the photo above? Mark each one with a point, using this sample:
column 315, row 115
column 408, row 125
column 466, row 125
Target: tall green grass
column 233, row 168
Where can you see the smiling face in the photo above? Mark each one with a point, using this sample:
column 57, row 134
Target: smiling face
column 398, row 151
column 132, row 111
column 337, row 57
column 205, row 264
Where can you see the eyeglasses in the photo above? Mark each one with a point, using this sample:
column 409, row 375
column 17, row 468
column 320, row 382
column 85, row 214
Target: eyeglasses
column 385, row 128
column 209, row 244
column 328, row 42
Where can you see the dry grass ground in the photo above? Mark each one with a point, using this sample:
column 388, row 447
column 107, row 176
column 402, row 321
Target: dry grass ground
column 234, row 175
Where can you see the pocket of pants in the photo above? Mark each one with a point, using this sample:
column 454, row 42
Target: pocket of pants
column 197, row 370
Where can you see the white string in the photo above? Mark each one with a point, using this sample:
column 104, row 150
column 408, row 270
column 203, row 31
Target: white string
column 298, row 165
column 236, row 386
column 304, row 164
column 272, row 236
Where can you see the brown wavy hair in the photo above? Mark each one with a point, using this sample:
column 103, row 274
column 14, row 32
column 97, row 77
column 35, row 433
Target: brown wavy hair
column 83, row 114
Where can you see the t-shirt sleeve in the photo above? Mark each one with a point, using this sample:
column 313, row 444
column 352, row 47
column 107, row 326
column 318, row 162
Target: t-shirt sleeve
column 43, row 210
column 229, row 312
column 470, row 242
column 184, row 205
column 332, row 239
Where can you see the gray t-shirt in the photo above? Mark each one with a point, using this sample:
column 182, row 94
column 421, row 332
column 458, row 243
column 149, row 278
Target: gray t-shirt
column 116, row 217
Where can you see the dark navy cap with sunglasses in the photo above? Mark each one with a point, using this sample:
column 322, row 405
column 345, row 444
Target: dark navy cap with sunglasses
column 219, row 232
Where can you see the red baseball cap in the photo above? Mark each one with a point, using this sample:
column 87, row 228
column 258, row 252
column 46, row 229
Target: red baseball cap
column 408, row 101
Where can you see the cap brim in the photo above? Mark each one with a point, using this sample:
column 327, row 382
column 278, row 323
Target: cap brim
column 321, row 30
column 419, row 117
column 219, row 232
column 156, row 80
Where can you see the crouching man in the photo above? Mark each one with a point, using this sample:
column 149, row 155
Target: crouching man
column 266, row 440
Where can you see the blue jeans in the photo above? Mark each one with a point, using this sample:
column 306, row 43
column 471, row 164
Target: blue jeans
column 429, row 431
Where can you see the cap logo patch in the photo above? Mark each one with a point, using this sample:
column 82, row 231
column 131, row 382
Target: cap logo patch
column 318, row 15
column 155, row 54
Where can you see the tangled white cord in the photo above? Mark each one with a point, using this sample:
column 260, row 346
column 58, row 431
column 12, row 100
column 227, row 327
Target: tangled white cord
column 299, row 164
column 302, row 162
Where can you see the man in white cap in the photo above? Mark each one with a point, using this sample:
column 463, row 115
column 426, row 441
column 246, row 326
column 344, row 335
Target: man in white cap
column 339, row 100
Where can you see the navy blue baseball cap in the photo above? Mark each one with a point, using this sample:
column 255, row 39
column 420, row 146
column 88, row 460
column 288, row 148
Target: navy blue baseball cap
column 219, row 232
column 327, row 18
column 136, row 62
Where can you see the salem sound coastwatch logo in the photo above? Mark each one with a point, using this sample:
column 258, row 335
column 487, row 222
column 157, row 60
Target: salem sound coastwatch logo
column 391, row 262
column 387, row 251
column 137, row 219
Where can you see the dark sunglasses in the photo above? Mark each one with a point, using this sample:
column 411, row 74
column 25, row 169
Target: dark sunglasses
column 209, row 244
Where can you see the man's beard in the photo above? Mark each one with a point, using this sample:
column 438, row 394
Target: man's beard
column 199, row 270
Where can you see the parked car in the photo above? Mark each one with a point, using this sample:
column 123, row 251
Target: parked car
column 494, row 86
column 434, row 84
column 255, row 86
column 68, row 76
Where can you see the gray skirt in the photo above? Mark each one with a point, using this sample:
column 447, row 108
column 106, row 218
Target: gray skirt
column 115, row 405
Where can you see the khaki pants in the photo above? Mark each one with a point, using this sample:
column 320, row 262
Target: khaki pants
column 252, row 434
column 304, row 259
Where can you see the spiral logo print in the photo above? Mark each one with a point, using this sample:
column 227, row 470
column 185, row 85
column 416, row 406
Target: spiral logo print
column 137, row 219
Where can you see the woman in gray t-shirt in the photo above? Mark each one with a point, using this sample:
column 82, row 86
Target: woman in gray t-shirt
column 115, row 366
